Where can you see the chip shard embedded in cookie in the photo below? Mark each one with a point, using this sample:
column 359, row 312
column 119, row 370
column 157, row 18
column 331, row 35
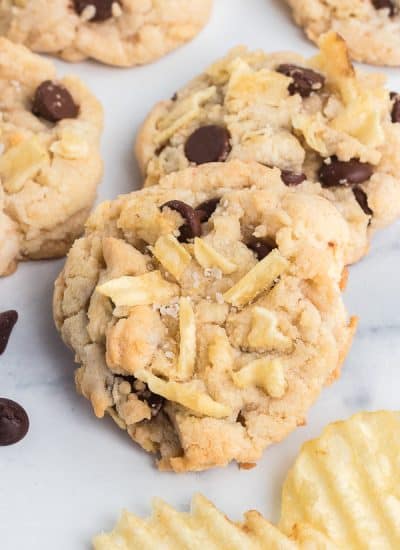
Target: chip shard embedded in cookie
column 219, row 334
column 50, row 164
column 325, row 125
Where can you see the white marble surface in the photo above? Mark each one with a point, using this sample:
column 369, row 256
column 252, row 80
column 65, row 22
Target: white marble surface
column 72, row 474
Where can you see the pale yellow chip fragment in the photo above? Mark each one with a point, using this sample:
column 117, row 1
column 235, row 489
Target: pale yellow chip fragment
column 264, row 333
column 208, row 257
column 172, row 255
column 21, row 163
column 364, row 108
column 182, row 114
column 267, row 374
column 187, row 339
column 260, row 278
column 247, row 86
column 346, row 483
column 191, row 395
column 71, row 145
column 148, row 289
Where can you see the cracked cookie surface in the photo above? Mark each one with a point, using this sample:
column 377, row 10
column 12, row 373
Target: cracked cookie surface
column 50, row 164
column 122, row 33
column 329, row 129
column 205, row 313
column 371, row 28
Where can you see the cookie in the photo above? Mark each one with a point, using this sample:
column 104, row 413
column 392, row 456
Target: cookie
column 371, row 28
column 330, row 130
column 50, row 164
column 116, row 32
column 205, row 312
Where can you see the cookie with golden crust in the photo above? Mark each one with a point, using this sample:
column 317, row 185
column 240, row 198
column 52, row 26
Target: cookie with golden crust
column 50, row 163
column 205, row 313
column 330, row 130
column 116, row 32
column 371, row 28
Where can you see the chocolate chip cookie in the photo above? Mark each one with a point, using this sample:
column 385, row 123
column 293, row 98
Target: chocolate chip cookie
column 371, row 28
column 49, row 163
column 116, row 32
column 330, row 129
column 205, row 313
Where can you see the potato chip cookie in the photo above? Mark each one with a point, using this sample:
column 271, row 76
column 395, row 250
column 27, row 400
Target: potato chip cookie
column 50, row 164
column 341, row 493
column 116, row 32
column 330, row 130
column 371, row 28
column 205, row 318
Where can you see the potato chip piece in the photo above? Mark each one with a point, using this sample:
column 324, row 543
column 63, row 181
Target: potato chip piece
column 187, row 339
column 261, row 277
column 208, row 257
column 346, row 483
column 142, row 290
column 172, row 255
column 204, row 528
column 267, row 374
column 189, row 394
column 21, row 163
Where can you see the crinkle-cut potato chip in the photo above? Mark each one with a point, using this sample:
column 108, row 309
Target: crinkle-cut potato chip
column 343, row 493
column 346, row 483
column 204, row 528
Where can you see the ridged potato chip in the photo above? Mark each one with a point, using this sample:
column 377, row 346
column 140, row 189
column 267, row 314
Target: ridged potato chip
column 343, row 493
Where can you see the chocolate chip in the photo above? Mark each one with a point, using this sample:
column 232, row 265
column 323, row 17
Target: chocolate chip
column 7, row 322
column 261, row 247
column 53, row 102
column 291, row 178
column 305, row 80
column 385, row 4
column 339, row 172
column 396, row 106
column 154, row 401
column 103, row 8
column 208, row 144
column 192, row 226
column 14, row 422
column 206, row 209
column 362, row 199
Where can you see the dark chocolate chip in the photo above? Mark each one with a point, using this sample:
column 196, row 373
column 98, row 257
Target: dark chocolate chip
column 192, row 226
column 206, row 209
column 7, row 322
column 362, row 199
column 208, row 144
column 14, row 422
column 103, row 8
column 154, row 401
column 53, row 102
column 385, row 4
column 339, row 172
column 291, row 178
column 261, row 247
column 305, row 81
column 396, row 106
